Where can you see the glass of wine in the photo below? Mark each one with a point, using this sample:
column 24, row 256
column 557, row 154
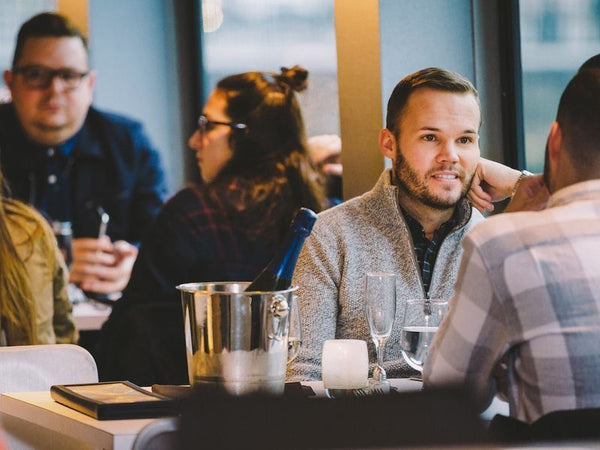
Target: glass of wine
column 380, row 293
column 422, row 318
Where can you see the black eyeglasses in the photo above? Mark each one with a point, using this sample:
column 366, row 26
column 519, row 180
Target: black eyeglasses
column 40, row 77
column 205, row 125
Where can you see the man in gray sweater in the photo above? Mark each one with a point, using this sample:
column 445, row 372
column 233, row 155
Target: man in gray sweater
column 411, row 223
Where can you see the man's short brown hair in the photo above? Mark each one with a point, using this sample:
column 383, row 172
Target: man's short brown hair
column 433, row 78
column 45, row 25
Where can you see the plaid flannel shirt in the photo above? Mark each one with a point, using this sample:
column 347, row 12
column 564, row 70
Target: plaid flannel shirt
column 528, row 295
column 194, row 240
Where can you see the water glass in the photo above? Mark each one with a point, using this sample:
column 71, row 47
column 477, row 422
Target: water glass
column 344, row 366
column 422, row 318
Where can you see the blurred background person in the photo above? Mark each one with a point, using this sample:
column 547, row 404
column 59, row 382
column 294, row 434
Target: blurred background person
column 34, row 306
column 251, row 150
column 67, row 159
column 325, row 151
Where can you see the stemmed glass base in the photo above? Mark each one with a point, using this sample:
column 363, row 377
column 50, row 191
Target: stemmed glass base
column 381, row 310
column 379, row 383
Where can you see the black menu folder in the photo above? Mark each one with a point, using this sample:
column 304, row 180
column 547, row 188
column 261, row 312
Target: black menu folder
column 113, row 400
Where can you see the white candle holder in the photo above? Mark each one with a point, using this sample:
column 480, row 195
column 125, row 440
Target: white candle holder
column 344, row 366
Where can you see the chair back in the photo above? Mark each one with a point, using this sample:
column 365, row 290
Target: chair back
column 569, row 424
column 411, row 419
column 37, row 367
column 158, row 435
column 562, row 425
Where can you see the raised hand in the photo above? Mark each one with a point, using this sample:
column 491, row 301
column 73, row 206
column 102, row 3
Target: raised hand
column 492, row 182
column 100, row 265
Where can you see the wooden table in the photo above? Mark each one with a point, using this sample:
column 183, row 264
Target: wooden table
column 32, row 420
column 401, row 384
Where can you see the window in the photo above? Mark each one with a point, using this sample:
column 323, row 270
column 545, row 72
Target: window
column 264, row 35
column 12, row 16
column 557, row 36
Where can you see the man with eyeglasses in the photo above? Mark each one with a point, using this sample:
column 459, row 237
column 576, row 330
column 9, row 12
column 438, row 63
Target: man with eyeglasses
column 73, row 162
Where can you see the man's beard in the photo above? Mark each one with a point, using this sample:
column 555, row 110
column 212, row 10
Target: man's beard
column 408, row 180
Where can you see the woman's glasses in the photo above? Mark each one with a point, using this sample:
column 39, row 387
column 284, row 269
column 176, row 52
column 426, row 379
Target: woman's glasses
column 205, row 125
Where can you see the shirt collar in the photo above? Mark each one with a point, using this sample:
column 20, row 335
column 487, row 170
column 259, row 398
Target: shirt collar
column 416, row 229
column 66, row 148
column 585, row 190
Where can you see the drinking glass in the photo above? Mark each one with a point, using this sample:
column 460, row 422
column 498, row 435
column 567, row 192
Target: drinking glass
column 380, row 293
column 344, row 367
column 295, row 331
column 422, row 318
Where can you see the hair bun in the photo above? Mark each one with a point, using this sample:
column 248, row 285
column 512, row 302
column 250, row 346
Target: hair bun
column 296, row 77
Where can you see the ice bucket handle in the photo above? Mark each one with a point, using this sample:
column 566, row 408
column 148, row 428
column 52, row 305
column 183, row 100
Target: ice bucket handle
column 279, row 310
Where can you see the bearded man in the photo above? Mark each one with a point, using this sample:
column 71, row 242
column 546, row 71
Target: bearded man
column 411, row 223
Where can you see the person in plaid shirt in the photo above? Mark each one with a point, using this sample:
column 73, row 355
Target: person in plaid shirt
column 250, row 146
column 525, row 320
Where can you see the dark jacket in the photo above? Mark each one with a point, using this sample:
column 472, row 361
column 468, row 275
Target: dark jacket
column 110, row 164
column 193, row 239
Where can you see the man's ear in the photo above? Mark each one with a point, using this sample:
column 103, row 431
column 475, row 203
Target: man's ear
column 387, row 143
column 555, row 143
column 8, row 78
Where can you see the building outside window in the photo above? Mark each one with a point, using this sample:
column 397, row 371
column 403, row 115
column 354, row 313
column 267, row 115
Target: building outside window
column 557, row 36
column 264, row 35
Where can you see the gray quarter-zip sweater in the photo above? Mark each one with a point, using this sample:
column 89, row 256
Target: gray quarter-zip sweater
column 365, row 234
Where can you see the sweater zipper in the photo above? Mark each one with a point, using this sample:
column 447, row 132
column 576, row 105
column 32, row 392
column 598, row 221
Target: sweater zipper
column 439, row 251
column 412, row 253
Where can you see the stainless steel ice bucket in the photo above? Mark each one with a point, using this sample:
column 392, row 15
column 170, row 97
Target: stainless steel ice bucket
column 237, row 342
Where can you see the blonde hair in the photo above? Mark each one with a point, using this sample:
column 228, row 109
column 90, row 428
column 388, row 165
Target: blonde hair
column 17, row 305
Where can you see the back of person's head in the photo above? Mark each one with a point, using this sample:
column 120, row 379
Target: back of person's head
column 579, row 120
column 45, row 25
column 17, row 305
column 267, row 104
column 591, row 63
column 432, row 78
column 271, row 152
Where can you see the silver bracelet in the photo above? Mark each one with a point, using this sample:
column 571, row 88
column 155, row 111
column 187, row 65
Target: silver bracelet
column 524, row 173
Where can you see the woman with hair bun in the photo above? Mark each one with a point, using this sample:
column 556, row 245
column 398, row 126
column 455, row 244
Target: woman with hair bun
column 250, row 146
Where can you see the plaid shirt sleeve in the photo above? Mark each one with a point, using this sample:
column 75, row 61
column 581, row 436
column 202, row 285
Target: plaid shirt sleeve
column 472, row 338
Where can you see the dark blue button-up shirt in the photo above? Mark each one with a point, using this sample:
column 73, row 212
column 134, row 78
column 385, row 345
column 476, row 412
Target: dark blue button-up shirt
column 108, row 163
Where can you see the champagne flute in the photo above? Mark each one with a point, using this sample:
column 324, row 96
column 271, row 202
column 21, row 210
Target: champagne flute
column 294, row 331
column 422, row 318
column 380, row 292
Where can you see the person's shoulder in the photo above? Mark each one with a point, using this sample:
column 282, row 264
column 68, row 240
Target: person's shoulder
column 191, row 200
column 341, row 212
column 341, row 221
column 8, row 118
column 184, row 197
column 503, row 226
column 113, row 118
column 24, row 221
column 6, row 109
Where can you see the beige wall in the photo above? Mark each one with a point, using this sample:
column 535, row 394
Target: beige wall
column 359, row 80
column 77, row 11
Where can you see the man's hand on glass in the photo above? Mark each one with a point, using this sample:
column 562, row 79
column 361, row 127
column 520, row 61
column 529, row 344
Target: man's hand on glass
column 100, row 265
